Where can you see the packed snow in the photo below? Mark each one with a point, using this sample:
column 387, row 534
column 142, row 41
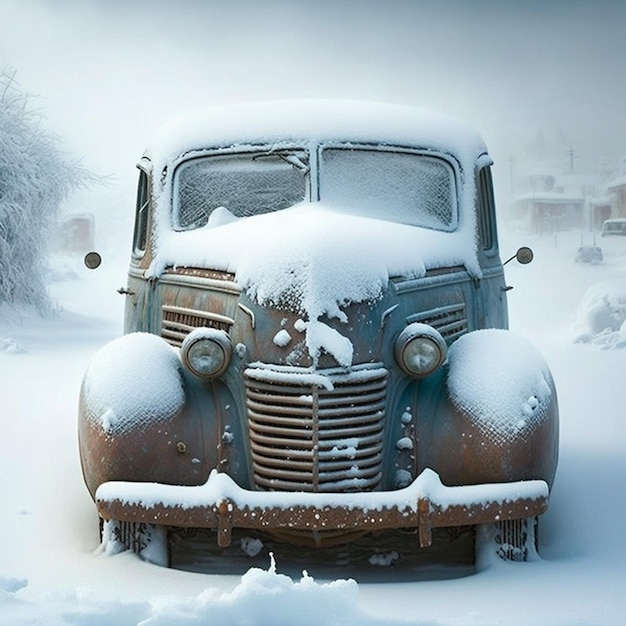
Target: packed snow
column 133, row 380
column 220, row 487
column 53, row 572
column 302, row 261
column 601, row 317
column 501, row 381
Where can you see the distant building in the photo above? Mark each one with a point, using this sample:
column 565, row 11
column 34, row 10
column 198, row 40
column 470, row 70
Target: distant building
column 616, row 190
column 545, row 212
column 551, row 196
column 75, row 233
column 548, row 201
column 600, row 210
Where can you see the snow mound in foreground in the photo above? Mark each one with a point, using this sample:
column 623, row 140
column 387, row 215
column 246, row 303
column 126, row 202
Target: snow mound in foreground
column 601, row 315
column 263, row 597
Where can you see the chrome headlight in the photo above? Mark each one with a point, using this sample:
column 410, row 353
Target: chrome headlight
column 420, row 349
column 206, row 352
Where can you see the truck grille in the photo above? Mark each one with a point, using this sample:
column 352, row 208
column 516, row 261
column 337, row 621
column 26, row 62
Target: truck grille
column 450, row 320
column 318, row 431
column 179, row 321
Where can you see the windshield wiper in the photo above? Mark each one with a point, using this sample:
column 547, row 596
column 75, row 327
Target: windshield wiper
column 288, row 157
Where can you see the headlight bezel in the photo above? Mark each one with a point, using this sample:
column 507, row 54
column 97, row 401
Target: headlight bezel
column 422, row 341
column 206, row 343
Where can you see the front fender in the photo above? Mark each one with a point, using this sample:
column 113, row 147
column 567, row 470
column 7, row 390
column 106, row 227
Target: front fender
column 137, row 420
column 491, row 415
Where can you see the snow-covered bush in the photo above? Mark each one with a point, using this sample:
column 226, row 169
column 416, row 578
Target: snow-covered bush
column 35, row 176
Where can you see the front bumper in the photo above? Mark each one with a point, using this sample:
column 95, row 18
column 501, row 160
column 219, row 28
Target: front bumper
column 222, row 505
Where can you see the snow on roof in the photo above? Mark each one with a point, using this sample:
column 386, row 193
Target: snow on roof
column 618, row 182
column 313, row 120
column 600, row 200
column 549, row 196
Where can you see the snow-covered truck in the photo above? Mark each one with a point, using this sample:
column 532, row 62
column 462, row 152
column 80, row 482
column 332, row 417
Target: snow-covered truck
column 316, row 341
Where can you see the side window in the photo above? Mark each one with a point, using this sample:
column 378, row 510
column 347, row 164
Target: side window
column 140, row 234
column 486, row 210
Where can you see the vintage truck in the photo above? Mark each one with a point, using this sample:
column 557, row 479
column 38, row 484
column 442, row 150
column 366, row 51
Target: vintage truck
column 316, row 341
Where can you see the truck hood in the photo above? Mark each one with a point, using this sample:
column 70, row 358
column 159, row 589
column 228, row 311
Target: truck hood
column 312, row 260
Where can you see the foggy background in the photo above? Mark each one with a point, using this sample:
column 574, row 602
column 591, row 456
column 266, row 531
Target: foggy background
column 107, row 73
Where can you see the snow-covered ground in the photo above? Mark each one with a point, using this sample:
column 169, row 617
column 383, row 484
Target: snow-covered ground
column 51, row 571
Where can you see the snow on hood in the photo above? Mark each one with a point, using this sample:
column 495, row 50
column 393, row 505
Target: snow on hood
column 313, row 261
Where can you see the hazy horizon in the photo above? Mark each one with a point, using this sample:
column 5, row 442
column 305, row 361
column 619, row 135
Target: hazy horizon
column 106, row 75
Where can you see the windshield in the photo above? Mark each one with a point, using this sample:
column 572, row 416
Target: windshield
column 405, row 187
column 245, row 184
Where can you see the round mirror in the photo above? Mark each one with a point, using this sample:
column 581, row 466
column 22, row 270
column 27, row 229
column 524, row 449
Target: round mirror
column 524, row 255
column 92, row 260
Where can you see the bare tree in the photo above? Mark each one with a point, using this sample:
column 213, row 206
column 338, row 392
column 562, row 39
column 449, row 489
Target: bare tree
column 35, row 176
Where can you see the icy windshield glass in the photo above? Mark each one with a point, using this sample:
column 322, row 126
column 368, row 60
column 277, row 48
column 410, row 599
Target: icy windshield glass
column 405, row 187
column 244, row 184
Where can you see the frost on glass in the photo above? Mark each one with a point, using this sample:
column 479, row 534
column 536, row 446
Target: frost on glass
column 403, row 187
column 245, row 184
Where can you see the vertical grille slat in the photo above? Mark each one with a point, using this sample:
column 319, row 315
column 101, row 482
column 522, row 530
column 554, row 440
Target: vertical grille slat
column 316, row 431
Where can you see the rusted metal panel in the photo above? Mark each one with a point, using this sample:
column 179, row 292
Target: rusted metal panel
column 286, row 410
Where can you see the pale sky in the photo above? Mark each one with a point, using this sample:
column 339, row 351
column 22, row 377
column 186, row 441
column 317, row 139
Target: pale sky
column 108, row 72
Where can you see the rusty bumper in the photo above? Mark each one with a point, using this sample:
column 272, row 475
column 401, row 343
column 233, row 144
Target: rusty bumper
column 222, row 505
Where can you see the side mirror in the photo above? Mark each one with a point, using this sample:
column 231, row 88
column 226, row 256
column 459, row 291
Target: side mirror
column 92, row 260
column 524, row 256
